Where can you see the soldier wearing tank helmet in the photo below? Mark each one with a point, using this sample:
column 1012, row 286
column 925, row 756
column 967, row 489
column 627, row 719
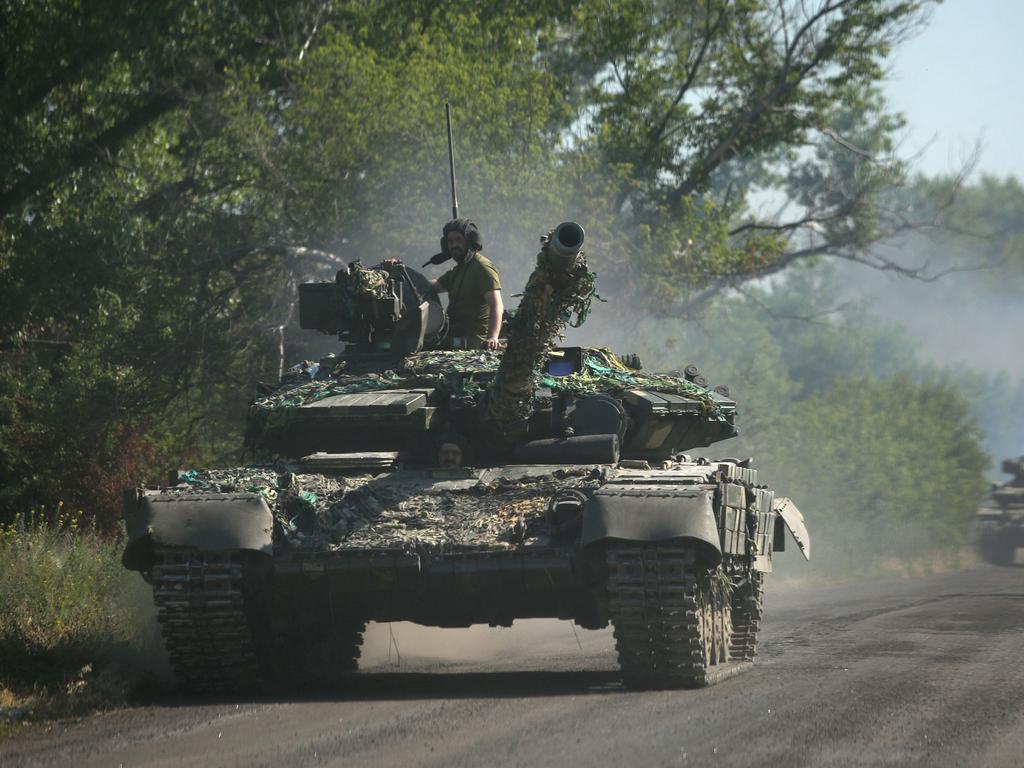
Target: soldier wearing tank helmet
column 473, row 287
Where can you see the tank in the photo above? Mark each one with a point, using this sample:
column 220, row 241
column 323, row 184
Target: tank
column 1000, row 521
column 400, row 480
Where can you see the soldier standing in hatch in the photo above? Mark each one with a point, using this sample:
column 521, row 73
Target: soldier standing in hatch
column 473, row 287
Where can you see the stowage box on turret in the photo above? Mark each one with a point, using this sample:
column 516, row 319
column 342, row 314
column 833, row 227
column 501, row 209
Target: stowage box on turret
column 1001, row 517
column 400, row 481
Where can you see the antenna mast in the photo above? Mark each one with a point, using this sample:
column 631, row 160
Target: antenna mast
column 451, row 159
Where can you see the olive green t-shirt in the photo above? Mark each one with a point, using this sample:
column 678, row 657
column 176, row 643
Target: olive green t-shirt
column 466, row 284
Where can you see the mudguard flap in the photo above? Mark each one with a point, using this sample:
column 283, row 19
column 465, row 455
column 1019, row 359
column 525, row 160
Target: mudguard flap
column 633, row 516
column 205, row 522
column 794, row 520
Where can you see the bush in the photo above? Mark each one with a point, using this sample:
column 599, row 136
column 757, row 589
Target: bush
column 70, row 628
column 881, row 467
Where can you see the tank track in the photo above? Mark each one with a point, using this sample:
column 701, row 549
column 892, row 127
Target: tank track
column 666, row 634
column 221, row 638
column 996, row 545
column 747, row 609
column 315, row 655
column 201, row 609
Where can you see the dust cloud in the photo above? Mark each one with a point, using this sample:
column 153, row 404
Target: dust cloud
column 527, row 643
column 962, row 319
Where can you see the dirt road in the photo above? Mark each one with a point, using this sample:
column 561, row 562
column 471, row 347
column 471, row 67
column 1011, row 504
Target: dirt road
column 919, row 672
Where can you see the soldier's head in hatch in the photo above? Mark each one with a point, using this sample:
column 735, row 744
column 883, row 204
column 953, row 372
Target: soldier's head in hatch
column 449, row 455
column 461, row 237
column 453, row 450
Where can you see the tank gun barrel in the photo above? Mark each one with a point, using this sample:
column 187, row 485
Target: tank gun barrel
column 560, row 285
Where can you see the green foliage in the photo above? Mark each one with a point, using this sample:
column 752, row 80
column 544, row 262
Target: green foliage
column 65, row 601
column 714, row 104
column 998, row 405
column 173, row 172
column 982, row 229
column 885, row 456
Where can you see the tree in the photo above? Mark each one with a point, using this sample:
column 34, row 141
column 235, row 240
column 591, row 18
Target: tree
column 886, row 466
column 171, row 176
column 709, row 109
column 982, row 230
column 174, row 171
column 884, row 455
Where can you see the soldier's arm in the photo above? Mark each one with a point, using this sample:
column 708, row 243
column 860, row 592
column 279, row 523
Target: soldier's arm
column 497, row 308
column 444, row 282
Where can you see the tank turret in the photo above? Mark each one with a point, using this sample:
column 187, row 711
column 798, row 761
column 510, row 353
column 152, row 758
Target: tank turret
column 395, row 387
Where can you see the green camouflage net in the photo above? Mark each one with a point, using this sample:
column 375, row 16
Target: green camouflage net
column 466, row 373
column 452, row 372
column 417, row 513
column 554, row 293
column 365, row 282
column 604, row 372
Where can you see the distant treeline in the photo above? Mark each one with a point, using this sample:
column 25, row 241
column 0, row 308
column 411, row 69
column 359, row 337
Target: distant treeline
column 883, row 453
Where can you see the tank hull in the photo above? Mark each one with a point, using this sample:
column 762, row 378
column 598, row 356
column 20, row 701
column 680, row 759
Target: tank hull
column 593, row 545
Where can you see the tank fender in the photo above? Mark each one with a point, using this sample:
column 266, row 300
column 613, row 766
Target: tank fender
column 794, row 520
column 632, row 515
column 203, row 521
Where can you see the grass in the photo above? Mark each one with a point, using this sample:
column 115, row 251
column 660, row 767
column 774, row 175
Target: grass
column 77, row 630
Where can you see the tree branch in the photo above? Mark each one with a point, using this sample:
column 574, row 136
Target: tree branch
column 103, row 145
column 784, row 84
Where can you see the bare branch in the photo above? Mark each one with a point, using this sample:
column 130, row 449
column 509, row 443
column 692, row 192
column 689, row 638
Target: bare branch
column 817, row 317
column 845, row 144
column 316, row 25
column 789, row 78
column 790, row 226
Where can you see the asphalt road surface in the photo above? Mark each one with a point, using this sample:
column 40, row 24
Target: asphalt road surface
column 921, row 672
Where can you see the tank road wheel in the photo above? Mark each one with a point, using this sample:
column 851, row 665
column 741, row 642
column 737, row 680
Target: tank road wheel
column 725, row 617
column 204, row 616
column 746, row 609
column 668, row 631
column 707, row 614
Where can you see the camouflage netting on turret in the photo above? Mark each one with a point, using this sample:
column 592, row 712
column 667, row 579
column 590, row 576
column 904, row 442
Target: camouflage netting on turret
column 558, row 288
column 414, row 513
column 465, row 373
column 362, row 282
column 604, row 372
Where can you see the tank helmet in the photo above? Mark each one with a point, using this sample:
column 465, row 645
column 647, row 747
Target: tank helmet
column 468, row 229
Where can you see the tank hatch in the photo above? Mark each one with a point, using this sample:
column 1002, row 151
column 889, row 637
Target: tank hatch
column 376, row 421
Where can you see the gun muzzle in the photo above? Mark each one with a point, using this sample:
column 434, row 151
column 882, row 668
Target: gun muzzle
column 565, row 244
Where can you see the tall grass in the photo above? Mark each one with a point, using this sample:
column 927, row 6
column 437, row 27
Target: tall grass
column 75, row 626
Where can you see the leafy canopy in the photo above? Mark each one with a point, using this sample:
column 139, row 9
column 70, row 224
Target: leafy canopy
column 172, row 171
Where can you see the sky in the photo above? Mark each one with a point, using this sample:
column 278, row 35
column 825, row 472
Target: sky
column 962, row 79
